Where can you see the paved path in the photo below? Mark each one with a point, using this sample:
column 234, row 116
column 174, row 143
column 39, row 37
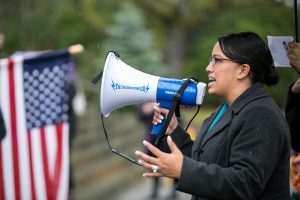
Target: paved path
column 142, row 191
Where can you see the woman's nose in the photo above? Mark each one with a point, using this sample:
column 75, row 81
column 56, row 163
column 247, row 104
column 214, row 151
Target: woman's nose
column 208, row 67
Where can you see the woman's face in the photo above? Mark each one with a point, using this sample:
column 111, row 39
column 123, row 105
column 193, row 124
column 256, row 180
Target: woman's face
column 222, row 74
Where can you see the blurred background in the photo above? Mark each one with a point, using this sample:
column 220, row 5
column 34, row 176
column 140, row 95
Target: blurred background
column 170, row 38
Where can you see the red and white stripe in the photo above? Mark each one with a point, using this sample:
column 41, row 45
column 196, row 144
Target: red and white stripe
column 34, row 164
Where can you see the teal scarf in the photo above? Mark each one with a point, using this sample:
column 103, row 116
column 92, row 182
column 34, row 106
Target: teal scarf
column 220, row 114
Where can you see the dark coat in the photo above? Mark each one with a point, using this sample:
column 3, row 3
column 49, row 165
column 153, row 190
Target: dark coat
column 292, row 113
column 2, row 127
column 244, row 156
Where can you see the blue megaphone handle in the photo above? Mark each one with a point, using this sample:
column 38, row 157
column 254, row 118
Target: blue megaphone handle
column 157, row 128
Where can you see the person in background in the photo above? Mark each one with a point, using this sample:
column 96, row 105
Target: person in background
column 2, row 127
column 2, row 41
column 242, row 150
column 76, row 104
column 145, row 113
column 294, row 177
column 292, row 110
column 292, row 113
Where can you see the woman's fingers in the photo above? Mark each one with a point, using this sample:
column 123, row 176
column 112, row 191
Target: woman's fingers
column 157, row 174
column 292, row 44
column 159, row 115
column 171, row 144
column 163, row 164
column 149, row 162
column 157, row 119
column 149, row 166
column 160, row 111
column 155, row 151
column 144, row 158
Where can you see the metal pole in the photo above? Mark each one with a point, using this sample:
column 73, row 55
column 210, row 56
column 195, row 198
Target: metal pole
column 296, row 20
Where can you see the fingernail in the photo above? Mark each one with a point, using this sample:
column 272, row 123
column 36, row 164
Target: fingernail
column 154, row 107
column 155, row 123
column 169, row 138
column 161, row 117
column 140, row 162
column 145, row 142
column 159, row 121
column 137, row 153
column 144, row 175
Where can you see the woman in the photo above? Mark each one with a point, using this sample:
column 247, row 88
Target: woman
column 292, row 113
column 242, row 150
column 292, row 110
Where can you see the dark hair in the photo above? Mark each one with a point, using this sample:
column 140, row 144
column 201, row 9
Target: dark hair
column 249, row 48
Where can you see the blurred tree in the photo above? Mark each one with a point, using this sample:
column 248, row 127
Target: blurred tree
column 182, row 19
column 184, row 30
column 267, row 18
column 179, row 19
column 99, row 14
column 129, row 37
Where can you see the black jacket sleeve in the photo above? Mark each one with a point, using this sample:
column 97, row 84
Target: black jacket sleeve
column 2, row 127
column 292, row 113
column 182, row 140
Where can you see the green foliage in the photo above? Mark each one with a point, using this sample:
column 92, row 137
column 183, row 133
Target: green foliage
column 273, row 19
column 57, row 24
column 129, row 37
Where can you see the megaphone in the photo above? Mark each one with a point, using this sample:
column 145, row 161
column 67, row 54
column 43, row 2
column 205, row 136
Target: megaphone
column 123, row 85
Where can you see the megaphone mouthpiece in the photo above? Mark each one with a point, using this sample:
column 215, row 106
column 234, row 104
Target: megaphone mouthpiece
column 201, row 89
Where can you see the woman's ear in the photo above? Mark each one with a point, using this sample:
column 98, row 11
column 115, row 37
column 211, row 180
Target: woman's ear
column 244, row 71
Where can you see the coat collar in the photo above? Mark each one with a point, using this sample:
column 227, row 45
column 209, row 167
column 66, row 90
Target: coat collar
column 256, row 91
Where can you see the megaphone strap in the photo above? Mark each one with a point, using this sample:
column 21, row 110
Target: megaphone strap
column 114, row 150
column 198, row 109
column 97, row 78
column 177, row 111
column 177, row 108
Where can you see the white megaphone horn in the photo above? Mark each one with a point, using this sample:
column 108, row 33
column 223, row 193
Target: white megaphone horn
column 122, row 85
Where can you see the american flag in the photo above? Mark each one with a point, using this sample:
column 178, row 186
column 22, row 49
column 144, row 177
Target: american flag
column 34, row 155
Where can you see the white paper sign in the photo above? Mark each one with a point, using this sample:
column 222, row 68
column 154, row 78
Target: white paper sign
column 278, row 47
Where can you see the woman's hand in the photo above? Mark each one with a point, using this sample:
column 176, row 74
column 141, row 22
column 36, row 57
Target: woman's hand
column 163, row 164
column 293, row 54
column 296, row 87
column 159, row 114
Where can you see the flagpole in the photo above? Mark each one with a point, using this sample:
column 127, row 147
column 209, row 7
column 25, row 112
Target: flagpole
column 76, row 49
column 296, row 20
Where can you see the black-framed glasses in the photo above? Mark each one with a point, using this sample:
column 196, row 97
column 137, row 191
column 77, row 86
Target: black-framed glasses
column 214, row 60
